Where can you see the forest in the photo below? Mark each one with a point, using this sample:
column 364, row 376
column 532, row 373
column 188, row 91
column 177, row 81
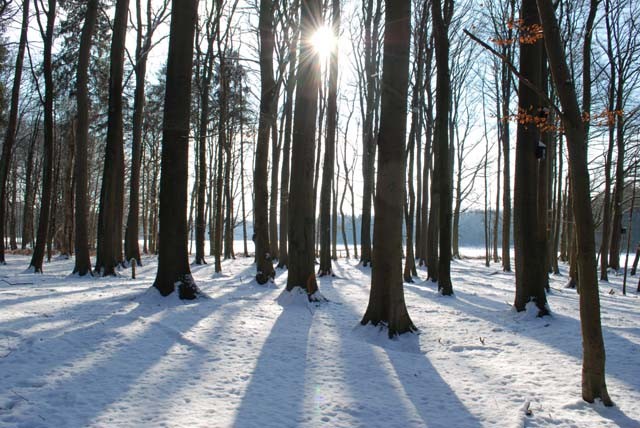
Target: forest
column 316, row 165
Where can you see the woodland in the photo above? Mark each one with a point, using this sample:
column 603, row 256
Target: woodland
column 292, row 138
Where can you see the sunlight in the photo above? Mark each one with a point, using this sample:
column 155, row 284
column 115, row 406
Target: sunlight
column 324, row 42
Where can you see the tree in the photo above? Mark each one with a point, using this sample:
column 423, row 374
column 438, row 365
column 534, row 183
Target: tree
column 10, row 133
column 531, row 269
column 415, row 135
column 593, row 359
column 204, row 86
column 47, row 166
column 442, row 14
column 83, row 261
column 173, row 257
column 290, row 86
column 301, row 196
column 265, row 271
column 505, row 14
column 143, row 47
column 329, row 151
column 110, row 252
column 368, row 87
column 386, row 299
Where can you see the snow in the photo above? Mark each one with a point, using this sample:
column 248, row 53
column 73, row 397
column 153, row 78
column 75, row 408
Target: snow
column 112, row 352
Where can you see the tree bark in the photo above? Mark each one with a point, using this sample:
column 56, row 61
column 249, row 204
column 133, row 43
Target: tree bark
column 283, row 253
column 441, row 14
column 265, row 271
column 386, row 299
column 593, row 363
column 301, row 196
column 530, row 267
column 47, row 161
column 329, row 152
column 12, row 124
column 110, row 249
column 83, row 262
column 371, row 24
column 173, row 258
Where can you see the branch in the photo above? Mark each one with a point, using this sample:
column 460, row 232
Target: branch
column 515, row 72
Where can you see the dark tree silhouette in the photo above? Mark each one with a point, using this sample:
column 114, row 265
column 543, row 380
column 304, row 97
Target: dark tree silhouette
column 173, row 257
column 83, row 261
column 386, row 300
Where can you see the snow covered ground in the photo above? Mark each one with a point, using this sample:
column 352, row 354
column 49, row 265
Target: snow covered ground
column 113, row 353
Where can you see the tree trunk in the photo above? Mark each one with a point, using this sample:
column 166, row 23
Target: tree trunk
column 173, row 258
column 29, row 188
column 386, row 299
column 110, row 251
column 265, row 271
column 13, row 242
column 441, row 19
column 47, row 161
column 283, row 253
column 205, row 85
column 505, row 134
column 143, row 45
column 618, row 193
column 530, row 267
column 276, row 146
column 301, row 196
column 12, row 125
column 593, row 363
column 329, row 152
column 371, row 25
column 83, row 262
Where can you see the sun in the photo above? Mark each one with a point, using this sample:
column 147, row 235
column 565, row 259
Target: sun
column 324, row 41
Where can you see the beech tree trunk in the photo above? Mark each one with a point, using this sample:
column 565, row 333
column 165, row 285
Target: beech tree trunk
column 173, row 257
column 329, row 152
column 265, row 271
column 301, row 196
column 371, row 28
column 47, row 160
column 12, row 125
column 83, row 262
column 27, row 213
column 205, row 87
column 530, row 267
column 283, row 253
column 386, row 299
column 441, row 14
column 110, row 250
column 593, row 363
column 143, row 46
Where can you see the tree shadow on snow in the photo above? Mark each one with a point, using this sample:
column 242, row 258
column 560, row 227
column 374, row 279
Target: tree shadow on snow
column 424, row 397
column 542, row 330
column 275, row 392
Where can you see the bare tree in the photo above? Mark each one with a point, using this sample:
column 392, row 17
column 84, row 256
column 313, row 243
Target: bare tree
column 329, row 151
column 47, row 162
column 386, row 299
column 265, row 271
column 301, row 196
column 593, row 363
column 10, row 133
column 173, row 258
column 83, row 261
column 110, row 251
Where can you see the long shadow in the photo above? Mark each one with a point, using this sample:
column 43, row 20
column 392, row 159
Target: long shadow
column 439, row 408
column 52, row 294
column 82, row 362
column 171, row 383
column 278, row 380
column 615, row 414
column 618, row 348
